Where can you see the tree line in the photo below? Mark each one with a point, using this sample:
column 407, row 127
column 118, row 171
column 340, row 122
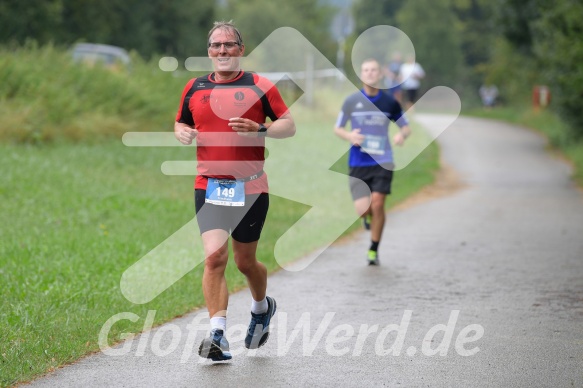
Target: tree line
column 148, row 27
column 158, row 27
column 515, row 44
column 550, row 32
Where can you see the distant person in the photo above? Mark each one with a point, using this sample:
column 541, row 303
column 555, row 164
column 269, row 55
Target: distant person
column 392, row 76
column 396, row 63
column 371, row 157
column 227, row 109
column 488, row 94
column 411, row 75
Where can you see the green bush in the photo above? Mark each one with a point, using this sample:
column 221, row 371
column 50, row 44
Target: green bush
column 45, row 97
column 559, row 46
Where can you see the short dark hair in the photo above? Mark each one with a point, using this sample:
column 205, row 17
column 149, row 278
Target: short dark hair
column 226, row 26
column 368, row 60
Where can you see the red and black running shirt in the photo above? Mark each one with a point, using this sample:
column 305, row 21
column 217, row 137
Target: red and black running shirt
column 207, row 105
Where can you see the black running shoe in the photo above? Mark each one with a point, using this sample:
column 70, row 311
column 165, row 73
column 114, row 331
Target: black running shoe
column 366, row 222
column 258, row 332
column 215, row 347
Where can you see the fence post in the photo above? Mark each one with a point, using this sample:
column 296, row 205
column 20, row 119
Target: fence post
column 309, row 79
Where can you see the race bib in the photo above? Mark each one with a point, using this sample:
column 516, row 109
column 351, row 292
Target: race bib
column 225, row 192
column 374, row 145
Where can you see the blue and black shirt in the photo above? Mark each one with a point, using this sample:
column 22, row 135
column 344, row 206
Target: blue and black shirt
column 372, row 115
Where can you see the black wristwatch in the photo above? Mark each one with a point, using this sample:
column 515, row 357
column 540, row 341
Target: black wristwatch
column 262, row 130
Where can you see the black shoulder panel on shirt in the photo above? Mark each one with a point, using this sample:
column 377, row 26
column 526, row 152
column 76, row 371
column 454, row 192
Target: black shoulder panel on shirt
column 249, row 80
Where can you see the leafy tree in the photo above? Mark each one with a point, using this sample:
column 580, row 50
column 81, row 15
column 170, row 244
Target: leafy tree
column 181, row 28
column 511, row 70
column 152, row 27
column 307, row 16
column 515, row 18
column 90, row 20
column 548, row 33
column 477, row 35
column 156, row 26
column 477, row 29
column 370, row 13
column 557, row 42
column 434, row 31
column 37, row 19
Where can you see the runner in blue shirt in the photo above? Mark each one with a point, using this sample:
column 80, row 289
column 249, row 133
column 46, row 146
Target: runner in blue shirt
column 371, row 157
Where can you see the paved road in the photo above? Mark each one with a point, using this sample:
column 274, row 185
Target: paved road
column 481, row 288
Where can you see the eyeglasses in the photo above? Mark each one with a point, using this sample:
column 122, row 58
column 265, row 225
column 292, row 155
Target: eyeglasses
column 217, row 45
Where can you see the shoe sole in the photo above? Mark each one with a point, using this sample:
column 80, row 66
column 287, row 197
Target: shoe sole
column 265, row 336
column 213, row 352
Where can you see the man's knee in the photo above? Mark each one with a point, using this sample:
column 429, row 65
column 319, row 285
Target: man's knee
column 217, row 260
column 378, row 202
column 245, row 263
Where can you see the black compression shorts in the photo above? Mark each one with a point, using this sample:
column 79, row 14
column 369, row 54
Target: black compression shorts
column 244, row 223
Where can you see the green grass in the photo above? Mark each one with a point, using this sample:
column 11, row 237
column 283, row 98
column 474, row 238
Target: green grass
column 548, row 124
column 78, row 212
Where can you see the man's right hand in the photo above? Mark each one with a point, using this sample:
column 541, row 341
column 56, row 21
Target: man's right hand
column 184, row 133
column 355, row 137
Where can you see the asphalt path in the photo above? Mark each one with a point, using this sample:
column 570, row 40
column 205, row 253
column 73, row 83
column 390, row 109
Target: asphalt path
column 482, row 287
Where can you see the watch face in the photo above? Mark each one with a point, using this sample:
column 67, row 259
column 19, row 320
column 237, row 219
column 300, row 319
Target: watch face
column 262, row 130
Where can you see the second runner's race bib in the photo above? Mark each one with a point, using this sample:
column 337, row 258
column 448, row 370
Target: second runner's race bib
column 374, row 145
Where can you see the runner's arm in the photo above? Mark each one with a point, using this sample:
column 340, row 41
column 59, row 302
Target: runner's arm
column 282, row 127
column 279, row 129
column 400, row 136
column 184, row 133
column 354, row 136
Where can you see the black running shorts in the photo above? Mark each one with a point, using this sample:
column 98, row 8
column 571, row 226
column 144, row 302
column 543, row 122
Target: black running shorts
column 377, row 178
column 411, row 95
column 244, row 223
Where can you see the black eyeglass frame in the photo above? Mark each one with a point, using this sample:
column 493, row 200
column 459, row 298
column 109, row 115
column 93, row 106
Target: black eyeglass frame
column 228, row 45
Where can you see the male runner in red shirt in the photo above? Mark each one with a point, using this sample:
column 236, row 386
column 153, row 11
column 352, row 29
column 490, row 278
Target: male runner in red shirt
column 226, row 112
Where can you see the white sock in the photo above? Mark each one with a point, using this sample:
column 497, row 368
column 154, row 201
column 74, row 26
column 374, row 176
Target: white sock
column 219, row 323
column 259, row 307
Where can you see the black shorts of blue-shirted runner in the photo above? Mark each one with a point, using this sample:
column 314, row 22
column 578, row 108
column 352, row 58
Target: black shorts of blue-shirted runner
column 377, row 178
